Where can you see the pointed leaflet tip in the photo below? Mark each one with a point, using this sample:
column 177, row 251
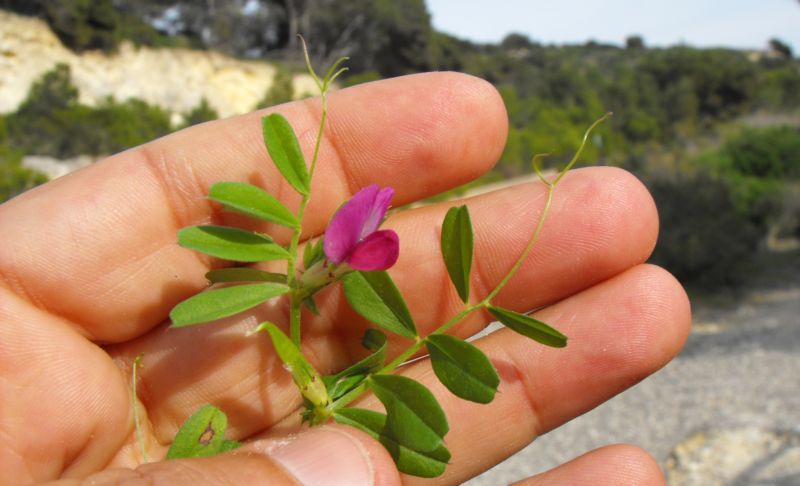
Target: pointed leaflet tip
column 284, row 149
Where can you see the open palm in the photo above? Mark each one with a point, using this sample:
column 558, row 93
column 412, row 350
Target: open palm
column 90, row 268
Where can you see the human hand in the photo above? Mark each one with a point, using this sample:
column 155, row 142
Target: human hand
column 90, row 268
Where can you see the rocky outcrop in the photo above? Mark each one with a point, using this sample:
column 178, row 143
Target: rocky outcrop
column 174, row 79
column 740, row 456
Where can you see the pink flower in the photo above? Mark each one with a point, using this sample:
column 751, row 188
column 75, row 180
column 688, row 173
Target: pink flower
column 353, row 237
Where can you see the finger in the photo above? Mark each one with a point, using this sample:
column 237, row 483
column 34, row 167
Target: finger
column 65, row 406
column 99, row 248
column 589, row 237
column 616, row 465
column 325, row 455
column 620, row 331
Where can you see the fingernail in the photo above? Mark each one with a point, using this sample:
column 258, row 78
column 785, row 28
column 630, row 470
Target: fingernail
column 325, row 455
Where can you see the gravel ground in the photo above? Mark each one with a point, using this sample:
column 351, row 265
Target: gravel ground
column 740, row 371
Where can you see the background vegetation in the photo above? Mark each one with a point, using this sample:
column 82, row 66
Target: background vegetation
column 713, row 132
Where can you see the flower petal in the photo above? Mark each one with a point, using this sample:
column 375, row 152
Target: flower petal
column 380, row 206
column 378, row 251
column 346, row 226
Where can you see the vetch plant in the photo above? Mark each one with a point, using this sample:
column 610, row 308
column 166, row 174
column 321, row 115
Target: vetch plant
column 355, row 253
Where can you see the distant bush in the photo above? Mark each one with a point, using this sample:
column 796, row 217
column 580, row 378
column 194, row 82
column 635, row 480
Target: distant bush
column 349, row 79
column 94, row 24
column 703, row 240
column 14, row 179
column 281, row 90
column 200, row 114
column 770, row 153
column 780, row 87
column 52, row 122
column 756, row 163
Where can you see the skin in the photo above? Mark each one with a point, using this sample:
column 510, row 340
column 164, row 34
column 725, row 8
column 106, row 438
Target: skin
column 90, row 268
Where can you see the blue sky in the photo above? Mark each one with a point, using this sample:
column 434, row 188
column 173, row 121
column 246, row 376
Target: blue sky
column 747, row 24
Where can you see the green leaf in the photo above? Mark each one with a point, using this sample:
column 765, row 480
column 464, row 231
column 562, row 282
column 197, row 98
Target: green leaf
column 414, row 417
column 202, row 435
column 284, row 149
column 312, row 253
column 252, row 201
column 376, row 342
column 463, row 368
column 530, row 327
column 307, row 378
column 339, row 387
column 311, row 305
column 347, row 379
column 375, row 296
column 457, row 248
column 231, row 244
column 218, row 303
column 423, row 464
column 243, row 274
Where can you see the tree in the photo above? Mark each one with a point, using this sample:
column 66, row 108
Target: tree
column 14, row 179
column 281, row 91
column 516, row 40
column 391, row 37
column 53, row 91
column 780, row 48
column 200, row 113
column 51, row 121
column 701, row 247
column 634, row 42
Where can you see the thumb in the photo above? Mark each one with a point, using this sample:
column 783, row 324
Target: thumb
column 331, row 454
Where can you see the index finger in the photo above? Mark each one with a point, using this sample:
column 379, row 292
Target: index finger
column 98, row 247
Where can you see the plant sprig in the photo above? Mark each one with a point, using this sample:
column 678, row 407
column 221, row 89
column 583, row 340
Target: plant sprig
column 355, row 253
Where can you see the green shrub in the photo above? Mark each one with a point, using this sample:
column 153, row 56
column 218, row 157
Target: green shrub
column 704, row 240
column 200, row 114
column 14, row 179
column 281, row 91
column 51, row 122
column 757, row 163
column 769, row 153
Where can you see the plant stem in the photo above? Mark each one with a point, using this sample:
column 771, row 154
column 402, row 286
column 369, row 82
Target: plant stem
column 294, row 297
column 550, row 190
column 528, row 248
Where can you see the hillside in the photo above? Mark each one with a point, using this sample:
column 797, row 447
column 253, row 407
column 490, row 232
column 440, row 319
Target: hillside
column 176, row 80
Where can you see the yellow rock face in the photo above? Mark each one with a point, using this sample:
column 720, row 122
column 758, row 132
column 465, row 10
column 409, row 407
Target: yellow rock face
column 174, row 79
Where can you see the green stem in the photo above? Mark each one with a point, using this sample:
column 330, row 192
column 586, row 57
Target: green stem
column 294, row 320
column 294, row 308
column 550, row 190
column 323, row 117
column 528, row 248
column 582, row 146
